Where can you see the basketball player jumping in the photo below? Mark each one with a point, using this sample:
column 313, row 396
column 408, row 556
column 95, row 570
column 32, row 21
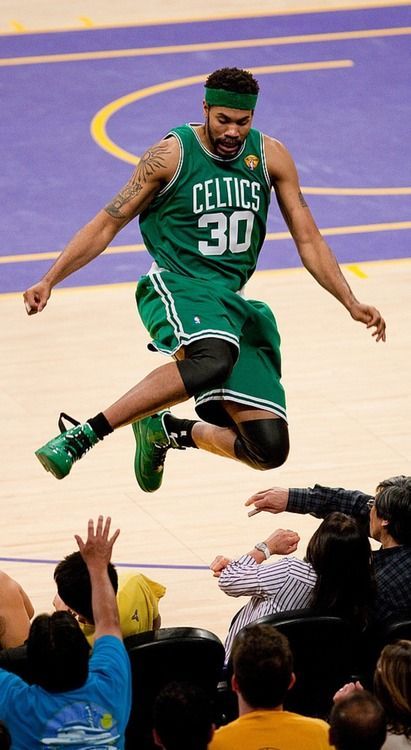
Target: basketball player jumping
column 202, row 194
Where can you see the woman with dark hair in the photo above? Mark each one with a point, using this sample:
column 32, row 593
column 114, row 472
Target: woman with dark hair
column 334, row 578
column 340, row 555
column 392, row 687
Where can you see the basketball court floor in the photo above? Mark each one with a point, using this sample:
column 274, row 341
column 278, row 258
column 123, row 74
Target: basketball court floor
column 83, row 94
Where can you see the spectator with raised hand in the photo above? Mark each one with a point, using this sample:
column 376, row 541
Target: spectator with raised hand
column 74, row 697
column 137, row 597
column 386, row 516
column 335, row 576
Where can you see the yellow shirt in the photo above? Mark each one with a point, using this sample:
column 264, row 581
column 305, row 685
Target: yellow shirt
column 272, row 730
column 137, row 601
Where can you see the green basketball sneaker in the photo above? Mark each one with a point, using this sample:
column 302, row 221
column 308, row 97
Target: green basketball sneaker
column 152, row 444
column 60, row 453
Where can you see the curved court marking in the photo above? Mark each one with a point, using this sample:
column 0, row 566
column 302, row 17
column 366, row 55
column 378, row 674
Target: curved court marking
column 393, row 226
column 99, row 122
column 208, row 46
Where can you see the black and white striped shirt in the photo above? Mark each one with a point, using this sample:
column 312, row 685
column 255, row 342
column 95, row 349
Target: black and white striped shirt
column 276, row 587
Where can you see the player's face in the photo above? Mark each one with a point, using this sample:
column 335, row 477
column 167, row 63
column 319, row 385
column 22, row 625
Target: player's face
column 226, row 129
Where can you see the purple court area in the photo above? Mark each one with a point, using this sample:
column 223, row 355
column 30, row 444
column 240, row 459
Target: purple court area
column 346, row 127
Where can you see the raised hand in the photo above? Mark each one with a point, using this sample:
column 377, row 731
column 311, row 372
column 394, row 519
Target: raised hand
column 96, row 550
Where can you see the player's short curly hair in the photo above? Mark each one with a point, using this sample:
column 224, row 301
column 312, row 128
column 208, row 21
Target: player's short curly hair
column 233, row 79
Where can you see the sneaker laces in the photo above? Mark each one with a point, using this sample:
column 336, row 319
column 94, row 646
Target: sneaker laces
column 77, row 442
column 62, row 426
column 159, row 456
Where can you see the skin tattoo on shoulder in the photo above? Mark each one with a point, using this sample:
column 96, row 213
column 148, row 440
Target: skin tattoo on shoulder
column 150, row 162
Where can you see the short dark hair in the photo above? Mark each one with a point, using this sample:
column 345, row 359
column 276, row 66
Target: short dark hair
column 262, row 665
column 392, row 685
column 340, row 554
column 233, row 79
column 57, row 652
column 183, row 717
column 357, row 722
column 393, row 504
column 73, row 584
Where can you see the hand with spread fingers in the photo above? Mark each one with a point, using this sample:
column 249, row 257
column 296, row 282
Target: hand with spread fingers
column 97, row 549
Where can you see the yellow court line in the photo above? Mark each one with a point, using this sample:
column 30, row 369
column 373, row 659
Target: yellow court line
column 223, row 17
column 17, row 26
column 88, row 23
column 99, row 121
column 272, row 236
column 207, row 46
column 357, row 271
column 268, row 271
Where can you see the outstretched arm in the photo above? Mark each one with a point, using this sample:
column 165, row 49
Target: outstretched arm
column 314, row 252
column 154, row 170
column 319, row 501
column 96, row 553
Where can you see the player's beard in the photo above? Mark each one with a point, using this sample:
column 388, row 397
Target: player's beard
column 216, row 142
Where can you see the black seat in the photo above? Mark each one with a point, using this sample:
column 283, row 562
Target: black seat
column 161, row 656
column 377, row 636
column 324, row 649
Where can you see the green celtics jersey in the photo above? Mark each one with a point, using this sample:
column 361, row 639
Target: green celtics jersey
column 209, row 222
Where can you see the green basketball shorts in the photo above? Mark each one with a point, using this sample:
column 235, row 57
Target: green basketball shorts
column 178, row 310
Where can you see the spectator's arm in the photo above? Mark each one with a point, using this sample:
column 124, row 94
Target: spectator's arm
column 96, row 553
column 319, row 501
column 246, row 577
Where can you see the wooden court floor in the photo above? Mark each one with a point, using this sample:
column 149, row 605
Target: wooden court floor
column 348, row 404
column 349, row 410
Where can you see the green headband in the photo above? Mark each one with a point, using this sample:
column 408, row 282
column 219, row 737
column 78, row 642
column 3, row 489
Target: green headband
column 231, row 99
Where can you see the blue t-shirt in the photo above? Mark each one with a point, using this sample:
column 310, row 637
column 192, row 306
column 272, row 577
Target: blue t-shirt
column 93, row 716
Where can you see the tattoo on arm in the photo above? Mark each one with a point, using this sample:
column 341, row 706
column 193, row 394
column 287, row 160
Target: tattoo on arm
column 124, row 196
column 150, row 162
column 283, row 209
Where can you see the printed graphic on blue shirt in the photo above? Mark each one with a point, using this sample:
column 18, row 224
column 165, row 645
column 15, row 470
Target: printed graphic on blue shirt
column 79, row 726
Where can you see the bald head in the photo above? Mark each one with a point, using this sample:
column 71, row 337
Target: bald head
column 358, row 722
